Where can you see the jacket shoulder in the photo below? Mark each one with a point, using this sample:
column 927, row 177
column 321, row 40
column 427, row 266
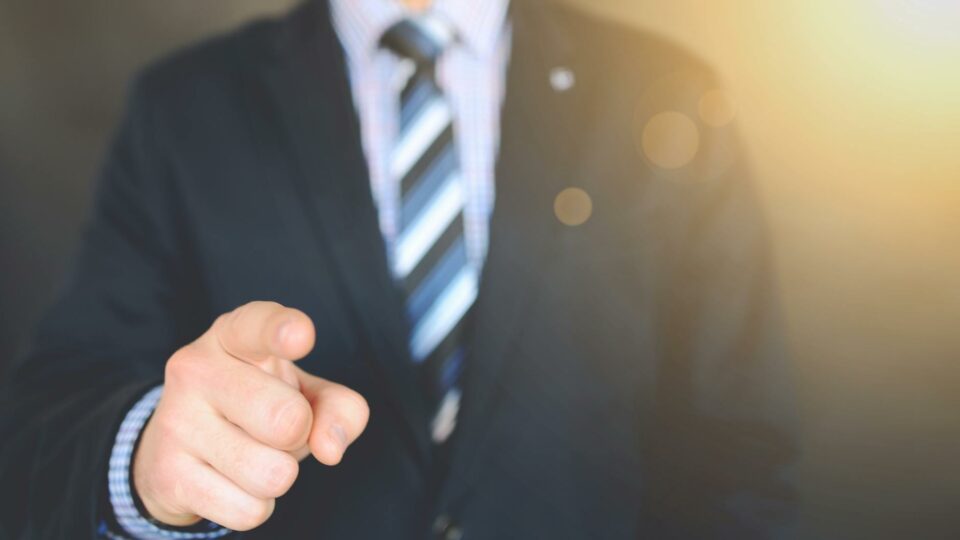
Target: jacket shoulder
column 627, row 60
column 613, row 41
column 209, row 68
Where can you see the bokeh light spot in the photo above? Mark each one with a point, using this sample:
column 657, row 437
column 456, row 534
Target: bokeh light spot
column 717, row 108
column 562, row 79
column 671, row 140
column 573, row 207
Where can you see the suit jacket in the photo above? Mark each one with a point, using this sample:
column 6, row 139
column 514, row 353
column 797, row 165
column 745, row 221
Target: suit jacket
column 625, row 377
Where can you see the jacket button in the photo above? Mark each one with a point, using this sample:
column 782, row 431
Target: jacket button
column 446, row 529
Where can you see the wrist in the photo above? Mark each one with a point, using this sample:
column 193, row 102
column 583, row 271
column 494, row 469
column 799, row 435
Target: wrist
column 129, row 512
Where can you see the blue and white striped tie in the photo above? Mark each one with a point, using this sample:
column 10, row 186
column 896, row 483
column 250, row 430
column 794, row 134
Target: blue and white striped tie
column 430, row 254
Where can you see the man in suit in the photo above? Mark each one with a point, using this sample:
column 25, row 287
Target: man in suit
column 424, row 245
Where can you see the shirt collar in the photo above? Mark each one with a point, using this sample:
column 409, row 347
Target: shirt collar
column 479, row 23
column 361, row 23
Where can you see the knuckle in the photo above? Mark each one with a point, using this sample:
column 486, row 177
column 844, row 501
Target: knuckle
column 168, row 424
column 252, row 513
column 203, row 497
column 223, row 321
column 279, row 474
column 175, row 423
column 347, row 402
column 354, row 397
column 289, row 421
column 361, row 404
column 183, row 366
column 259, row 307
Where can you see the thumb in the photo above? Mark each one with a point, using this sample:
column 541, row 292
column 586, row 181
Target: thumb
column 339, row 416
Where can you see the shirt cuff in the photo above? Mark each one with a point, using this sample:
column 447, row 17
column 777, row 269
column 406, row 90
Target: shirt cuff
column 125, row 510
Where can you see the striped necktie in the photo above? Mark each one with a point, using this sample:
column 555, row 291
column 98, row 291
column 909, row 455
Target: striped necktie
column 430, row 259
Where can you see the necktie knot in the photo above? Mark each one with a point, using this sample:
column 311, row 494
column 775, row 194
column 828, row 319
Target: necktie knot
column 421, row 40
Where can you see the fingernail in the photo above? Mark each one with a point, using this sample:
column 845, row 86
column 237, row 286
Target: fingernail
column 339, row 436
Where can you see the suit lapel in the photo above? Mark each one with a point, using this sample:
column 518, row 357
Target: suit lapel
column 536, row 162
column 309, row 86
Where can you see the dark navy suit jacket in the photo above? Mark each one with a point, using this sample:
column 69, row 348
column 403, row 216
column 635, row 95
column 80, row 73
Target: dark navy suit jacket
column 626, row 377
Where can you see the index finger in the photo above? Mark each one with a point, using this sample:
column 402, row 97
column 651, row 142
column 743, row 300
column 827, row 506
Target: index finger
column 260, row 331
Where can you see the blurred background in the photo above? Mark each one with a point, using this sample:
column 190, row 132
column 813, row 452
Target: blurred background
column 852, row 114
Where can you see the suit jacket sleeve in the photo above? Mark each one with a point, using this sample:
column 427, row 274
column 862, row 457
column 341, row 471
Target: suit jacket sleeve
column 128, row 304
column 726, row 425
